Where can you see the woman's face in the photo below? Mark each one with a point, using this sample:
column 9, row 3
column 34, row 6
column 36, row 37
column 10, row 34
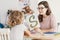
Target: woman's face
column 42, row 9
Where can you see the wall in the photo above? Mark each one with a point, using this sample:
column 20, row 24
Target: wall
column 4, row 6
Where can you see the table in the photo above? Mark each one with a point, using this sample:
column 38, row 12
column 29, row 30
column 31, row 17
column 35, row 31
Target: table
column 4, row 34
column 46, row 37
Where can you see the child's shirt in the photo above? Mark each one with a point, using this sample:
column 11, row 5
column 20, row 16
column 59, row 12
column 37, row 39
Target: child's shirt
column 17, row 32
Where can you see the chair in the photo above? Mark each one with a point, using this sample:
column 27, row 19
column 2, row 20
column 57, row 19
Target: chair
column 4, row 34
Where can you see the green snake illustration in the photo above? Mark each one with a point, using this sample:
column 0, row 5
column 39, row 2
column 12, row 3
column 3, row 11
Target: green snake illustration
column 33, row 17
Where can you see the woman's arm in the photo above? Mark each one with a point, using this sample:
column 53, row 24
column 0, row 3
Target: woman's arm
column 38, row 30
column 53, row 23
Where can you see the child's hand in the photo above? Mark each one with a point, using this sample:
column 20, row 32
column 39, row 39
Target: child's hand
column 42, row 33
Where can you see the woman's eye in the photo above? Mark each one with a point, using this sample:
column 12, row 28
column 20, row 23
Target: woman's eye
column 41, row 8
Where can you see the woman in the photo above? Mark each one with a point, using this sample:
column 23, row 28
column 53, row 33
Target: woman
column 46, row 18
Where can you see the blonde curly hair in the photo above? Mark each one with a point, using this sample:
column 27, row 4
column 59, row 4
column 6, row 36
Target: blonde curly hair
column 15, row 18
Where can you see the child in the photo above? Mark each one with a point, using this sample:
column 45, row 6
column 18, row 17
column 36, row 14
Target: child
column 17, row 27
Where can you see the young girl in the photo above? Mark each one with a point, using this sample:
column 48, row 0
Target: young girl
column 17, row 27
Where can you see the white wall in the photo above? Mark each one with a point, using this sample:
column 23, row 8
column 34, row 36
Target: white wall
column 4, row 6
column 8, row 4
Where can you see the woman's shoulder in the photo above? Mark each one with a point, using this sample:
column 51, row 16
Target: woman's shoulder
column 52, row 15
column 19, row 26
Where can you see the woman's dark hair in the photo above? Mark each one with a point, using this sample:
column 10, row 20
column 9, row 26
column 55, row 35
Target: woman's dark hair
column 45, row 3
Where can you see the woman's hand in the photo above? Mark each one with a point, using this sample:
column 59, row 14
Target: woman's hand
column 39, row 31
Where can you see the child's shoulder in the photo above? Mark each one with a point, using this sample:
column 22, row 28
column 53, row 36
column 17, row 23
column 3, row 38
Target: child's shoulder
column 20, row 26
